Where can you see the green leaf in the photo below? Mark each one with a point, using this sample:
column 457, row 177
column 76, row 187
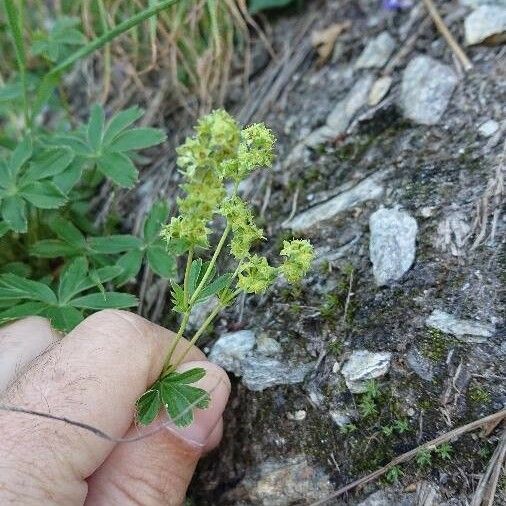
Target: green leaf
column 67, row 179
column 74, row 142
column 18, row 268
column 119, row 122
column 161, row 262
column 64, row 318
column 6, row 179
column 50, row 248
column 154, row 221
column 4, row 228
column 131, row 263
column 68, row 232
column 13, row 210
column 113, row 244
column 72, row 279
column 95, row 128
column 21, row 155
column 177, row 297
column 148, row 406
column 119, row 168
column 50, row 163
column 214, row 287
column 194, row 275
column 21, row 310
column 255, row 6
column 16, row 287
column 180, row 399
column 136, row 138
column 104, row 301
column 186, row 377
column 43, row 194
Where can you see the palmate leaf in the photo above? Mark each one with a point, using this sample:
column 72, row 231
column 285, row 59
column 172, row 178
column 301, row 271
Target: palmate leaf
column 194, row 275
column 48, row 164
column 180, row 399
column 156, row 218
column 18, row 288
column 106, row 300
column 137, row 138
column 13, row 211
column 214, row 287
column 113, row 244
column 63, row 318
column 43, row 194
column 120, row 122
column 73, row 279
column 148, row 406
column 16, row 312
column 95, row 128
column 4, row 228
column 130, row 264
column 160, row 261
column 119, row 168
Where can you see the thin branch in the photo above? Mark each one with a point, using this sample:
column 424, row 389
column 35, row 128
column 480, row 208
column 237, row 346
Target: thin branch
column 499, row 416
column 445, row 32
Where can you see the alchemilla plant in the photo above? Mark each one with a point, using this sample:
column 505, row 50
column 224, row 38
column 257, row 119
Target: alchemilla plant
column 213, row 163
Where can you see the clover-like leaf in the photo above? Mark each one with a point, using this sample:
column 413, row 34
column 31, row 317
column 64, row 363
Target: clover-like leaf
column 148, row 405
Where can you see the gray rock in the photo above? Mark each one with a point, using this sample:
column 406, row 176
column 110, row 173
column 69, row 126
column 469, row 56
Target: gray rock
column 340, row 418
column 388, row 497
column 342, row 113
column 486, row 24
column 392, row 244
column 377, row 52
column 259, row 372
column 488, row 128
column 268, row 346
column 368, row 189
column 230, row 350
column 420, row 365
column 379, row 89
column 426, row 88
column 453, row 233
column 478, row 3
column 363, row 366
column 201, row 312
column 283, row 483
column 469, row 331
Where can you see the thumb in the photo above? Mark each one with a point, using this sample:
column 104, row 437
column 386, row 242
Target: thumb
column 157, row 470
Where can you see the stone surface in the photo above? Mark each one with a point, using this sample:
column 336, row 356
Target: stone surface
column 426, row 88
column 259, row 372
column 340, row 418
column 268, row 346
column 282, row 483
column 368, row 189
column 392, row 244
column 379, row 89
column 297, row 416
column 420, row 365
column 201, row 311
column 469, row 331
column 377, row 52
column 486, row 24
column 478, row 3
column 488, row 128
column 363, row 366
column 230, row 350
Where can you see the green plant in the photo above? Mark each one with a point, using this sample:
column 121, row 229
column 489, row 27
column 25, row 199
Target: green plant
column 368, row 402
column 394, row 474
column 424, row 457
column 220, row 154
column 444, row 451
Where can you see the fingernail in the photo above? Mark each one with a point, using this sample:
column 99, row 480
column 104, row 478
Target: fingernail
column 217, row 384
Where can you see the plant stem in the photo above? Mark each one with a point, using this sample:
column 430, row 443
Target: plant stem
column 212, row 263
column 187, row 274
column 15, row 21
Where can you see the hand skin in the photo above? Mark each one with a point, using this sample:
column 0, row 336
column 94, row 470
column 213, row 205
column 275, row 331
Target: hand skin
column 94, row 375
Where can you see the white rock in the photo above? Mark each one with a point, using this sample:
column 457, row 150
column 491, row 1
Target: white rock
column 368, row 189
column 297, row 416
column 379, row 89
column 363, row 366
column 420, row 365
column 392, row 244
column 426, row 88
column 488, row 128
column 340, row 418
column 230, row 350
column 377, row 52
column 259, row 372
column 469, row 331
column 474, row 4
column 486, row 24
column 268, row 346
column 201, row 312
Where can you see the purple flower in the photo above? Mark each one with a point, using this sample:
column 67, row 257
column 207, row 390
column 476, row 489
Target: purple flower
column 397, row 5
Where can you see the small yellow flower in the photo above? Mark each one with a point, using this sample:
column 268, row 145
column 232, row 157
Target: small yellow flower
column 299, row 255
column 256, row 275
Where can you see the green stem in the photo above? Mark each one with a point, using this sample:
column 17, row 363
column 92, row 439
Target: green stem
column 51, row 77
column 212, row 263
column 15, row 21
column 187, row 274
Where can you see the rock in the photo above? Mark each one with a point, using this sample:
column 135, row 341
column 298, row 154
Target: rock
column 340, row 418
column 201, row 311
column 420, row 365
column 342, row 114
column 230, row 350
column 388, row 498
column 259, row 372
column 488, row 128
column 487, row 24
column 268, row 346
column 426, row 88
column 477, row 3
column 392, row 244
column 453, row 233
column 282, row 483
column 379, row 89
column 469, row 331
column 368, row 189
column 377, row 52
column 297, row 416
column 363, row 366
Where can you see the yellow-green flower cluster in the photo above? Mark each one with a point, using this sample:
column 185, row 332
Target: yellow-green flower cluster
column 256, row 275
column 299, row 255
column 187, row 228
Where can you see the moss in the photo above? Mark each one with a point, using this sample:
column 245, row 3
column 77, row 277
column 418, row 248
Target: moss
column 478, row 395
column 335, row 347
column 435, row 345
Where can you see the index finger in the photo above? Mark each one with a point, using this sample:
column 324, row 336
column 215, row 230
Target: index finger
column 94, row 375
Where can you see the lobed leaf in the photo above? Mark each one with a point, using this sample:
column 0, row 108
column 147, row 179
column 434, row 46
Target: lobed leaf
column 119, row 168
column 120, row 122
column 160, row 261
column 157, row 216
column 136, row 138
column 13, row 211
column 148, row 406
column 16, row 287
column 113, row 244
column 107, row 300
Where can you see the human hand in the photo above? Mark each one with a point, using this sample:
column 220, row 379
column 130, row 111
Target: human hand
column 94, row 375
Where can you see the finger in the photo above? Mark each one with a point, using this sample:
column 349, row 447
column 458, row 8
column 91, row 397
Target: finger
column 156, row 471
column 20, row 343
column 94, row 375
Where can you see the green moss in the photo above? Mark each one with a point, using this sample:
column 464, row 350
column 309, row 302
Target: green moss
column 478, row 395
column 335, row 347
column 435, row 345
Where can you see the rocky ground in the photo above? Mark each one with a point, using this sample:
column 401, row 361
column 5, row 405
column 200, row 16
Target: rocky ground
column 391, row 160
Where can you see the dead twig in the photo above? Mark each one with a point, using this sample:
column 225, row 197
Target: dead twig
column 459, row 431
column 445, row 32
